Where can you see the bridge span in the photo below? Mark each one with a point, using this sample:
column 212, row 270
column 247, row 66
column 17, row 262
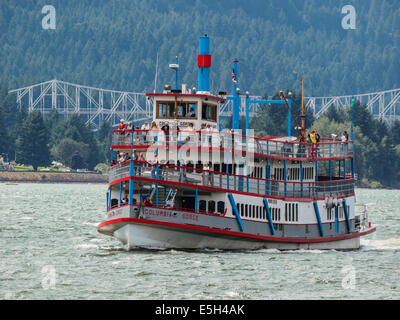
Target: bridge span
column 96, row 105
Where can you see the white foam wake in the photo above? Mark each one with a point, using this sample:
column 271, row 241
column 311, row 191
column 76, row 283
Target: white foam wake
column 386, row 244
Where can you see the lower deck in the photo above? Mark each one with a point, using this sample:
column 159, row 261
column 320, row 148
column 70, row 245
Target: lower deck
column 170, row 228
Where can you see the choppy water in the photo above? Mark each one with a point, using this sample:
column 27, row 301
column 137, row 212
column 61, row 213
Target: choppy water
column 50, row 249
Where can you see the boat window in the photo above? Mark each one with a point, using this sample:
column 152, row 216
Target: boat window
column 189, row 165
column 202, row 205
column 211, row 206
column 209, row 112
column 199, row 165
column 242, row 209
column 186, row 110
column 165, row 110
column 221, row 206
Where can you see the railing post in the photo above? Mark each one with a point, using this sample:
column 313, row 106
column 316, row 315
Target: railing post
column 157, row 186
column 131, row 174
column 284, row 176
column 301, row 178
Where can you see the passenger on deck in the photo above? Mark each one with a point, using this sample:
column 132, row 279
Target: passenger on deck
column 121, row 126
column 140, row 163
column 207, row 175
column 191, row 113
column 170, row 202
column 148, row 202
column 344, row 137
column 154, row 164
column 165, row 129
column 145, row 128
column 125, row 200
column 136, row 136
column 154, row 130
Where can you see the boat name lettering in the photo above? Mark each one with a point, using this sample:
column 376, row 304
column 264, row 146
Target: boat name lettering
column 114, row 213
column 190, row 216
column 163, row 213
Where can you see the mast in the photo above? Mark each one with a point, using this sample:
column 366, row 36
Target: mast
column 302, row 115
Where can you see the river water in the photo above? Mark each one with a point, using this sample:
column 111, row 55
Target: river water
column 50, row 249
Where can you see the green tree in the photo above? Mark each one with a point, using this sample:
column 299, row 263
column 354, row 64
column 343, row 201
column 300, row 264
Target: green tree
column 4, row 138
column 32, row 142
column 66, row 148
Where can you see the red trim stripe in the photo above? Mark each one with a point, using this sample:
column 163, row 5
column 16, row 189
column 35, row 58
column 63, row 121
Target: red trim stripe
column 235, row 233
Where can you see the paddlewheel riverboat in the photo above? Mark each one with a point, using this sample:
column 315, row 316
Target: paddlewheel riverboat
column 185, row 183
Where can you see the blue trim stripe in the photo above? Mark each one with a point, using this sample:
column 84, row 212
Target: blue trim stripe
column 271, row 225
column 321, row 230
column 235, row 211
column 346, row 214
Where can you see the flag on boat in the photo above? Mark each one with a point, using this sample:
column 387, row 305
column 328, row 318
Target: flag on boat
column 233, row 76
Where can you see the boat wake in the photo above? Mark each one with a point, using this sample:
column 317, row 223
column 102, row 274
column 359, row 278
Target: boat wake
column 380, row 245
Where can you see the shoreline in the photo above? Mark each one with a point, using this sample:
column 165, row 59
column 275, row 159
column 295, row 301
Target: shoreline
column 51, row 177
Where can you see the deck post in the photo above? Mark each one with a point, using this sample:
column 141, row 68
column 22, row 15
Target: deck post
column 235, row 211
column 346, row 214
column 321, row 230
column 271, row 225
column 131, row 174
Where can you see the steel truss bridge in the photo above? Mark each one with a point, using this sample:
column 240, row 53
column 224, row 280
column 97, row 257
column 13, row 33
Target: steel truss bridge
column 96, row 105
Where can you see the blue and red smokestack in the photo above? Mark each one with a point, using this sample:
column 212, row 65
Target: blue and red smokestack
column 204, row 64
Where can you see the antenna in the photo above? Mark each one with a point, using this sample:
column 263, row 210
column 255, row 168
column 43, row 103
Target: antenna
column 155, row 76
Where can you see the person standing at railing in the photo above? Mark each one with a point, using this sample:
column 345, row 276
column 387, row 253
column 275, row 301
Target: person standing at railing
column 165, row 129
column 136, row 137
column 207, row 175
column 317, row 139
column 140, row 163
column 145, row 128
column 125, row 200
column 154, row 131
column 135, row 158
column 121, row 128
column 182, row 172
column 154, row 165
column 344, row 138
column 313, row 141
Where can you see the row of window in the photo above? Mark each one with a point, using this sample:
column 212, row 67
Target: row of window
column 293, row 173
column 330, row 213
column 185, row 110
column 291, row 212
column 218, row 167
column 209, row 206
column 258, row 212
column 252, row 211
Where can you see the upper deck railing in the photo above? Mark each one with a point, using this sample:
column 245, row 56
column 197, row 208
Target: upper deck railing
column 271, row 147
column 225, row 182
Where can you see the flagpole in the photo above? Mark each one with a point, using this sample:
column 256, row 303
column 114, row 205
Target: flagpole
column 235, row 113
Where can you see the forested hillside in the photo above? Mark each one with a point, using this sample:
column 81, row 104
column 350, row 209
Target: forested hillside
column 114, row 44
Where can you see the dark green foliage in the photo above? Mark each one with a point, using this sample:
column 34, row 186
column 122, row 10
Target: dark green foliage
column 114, row 44
column 4, row 138
column 272, row 120
column 32, row 142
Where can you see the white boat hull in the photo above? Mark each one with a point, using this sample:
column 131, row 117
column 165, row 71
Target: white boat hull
column 148, row 236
